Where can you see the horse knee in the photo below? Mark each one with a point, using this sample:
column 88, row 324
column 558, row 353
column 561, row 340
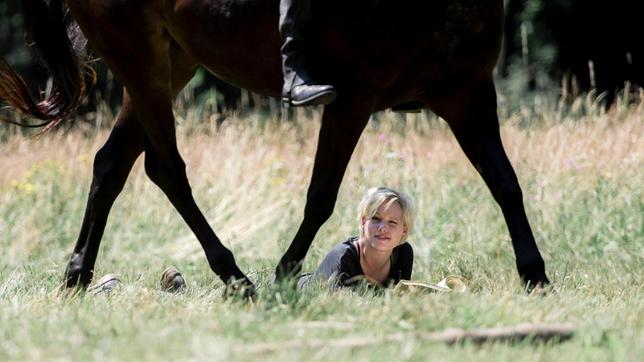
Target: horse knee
column 165, row 174
column 319, row 206
column 106, row 181
column 508, row 192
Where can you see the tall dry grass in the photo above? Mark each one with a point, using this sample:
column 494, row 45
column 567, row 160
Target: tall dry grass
column 250, row 175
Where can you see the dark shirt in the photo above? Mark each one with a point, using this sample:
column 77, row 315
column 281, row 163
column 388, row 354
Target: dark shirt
column 343, row 264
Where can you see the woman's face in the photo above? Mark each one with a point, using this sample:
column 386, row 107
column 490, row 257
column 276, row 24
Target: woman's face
column 385, row 229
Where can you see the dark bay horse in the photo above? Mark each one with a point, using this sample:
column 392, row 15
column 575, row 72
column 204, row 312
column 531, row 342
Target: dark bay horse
column 378, row 54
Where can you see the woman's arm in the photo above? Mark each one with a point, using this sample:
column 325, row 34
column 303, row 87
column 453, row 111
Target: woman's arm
column 341, row 263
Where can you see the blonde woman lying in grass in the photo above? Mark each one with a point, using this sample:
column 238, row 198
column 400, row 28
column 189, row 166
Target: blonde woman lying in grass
column 380, row 253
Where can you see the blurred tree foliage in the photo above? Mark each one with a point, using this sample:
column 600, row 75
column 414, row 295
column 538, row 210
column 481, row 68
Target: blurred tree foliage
column 12, row 43
column 579, row 44
column 587, row 43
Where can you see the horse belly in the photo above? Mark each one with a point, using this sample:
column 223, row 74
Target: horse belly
column 237, row 40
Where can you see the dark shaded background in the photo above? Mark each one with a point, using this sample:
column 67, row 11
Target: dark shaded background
column 558, row 47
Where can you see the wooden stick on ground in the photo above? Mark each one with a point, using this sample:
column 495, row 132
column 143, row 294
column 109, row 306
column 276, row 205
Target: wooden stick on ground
column 535, row 332
column 532, row 332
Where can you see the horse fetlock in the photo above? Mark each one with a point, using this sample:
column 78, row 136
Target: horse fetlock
column 227, row 270
column 533, row 274
column 287, row 269
column 75, row 275
column 241, row 289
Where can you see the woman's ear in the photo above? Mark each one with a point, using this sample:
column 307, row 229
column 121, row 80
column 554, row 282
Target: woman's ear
column 362, row 222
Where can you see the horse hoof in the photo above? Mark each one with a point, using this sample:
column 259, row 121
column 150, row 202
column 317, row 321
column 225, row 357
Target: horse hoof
column 287, row 271
column 105, row 284
column 242, row 289
column 172, row 281
column 538, row 285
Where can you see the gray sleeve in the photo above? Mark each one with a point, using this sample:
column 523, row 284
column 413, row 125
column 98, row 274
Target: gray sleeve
column 340, row 264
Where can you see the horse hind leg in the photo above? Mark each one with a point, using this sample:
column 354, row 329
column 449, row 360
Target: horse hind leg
column 112, row 165
column 472, row 116
column 146, row 73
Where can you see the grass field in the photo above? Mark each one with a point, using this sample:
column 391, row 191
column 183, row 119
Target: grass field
column 582, row 177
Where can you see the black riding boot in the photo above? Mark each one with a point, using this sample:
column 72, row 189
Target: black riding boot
column 299, row 88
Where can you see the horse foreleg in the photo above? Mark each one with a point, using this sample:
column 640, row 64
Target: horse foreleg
column 472, row 116
column 342, row 125
column 112, row 165
column 148, row 85
column 169, row 174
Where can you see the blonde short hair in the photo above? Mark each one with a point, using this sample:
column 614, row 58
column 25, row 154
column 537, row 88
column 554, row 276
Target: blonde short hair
column 377, row 196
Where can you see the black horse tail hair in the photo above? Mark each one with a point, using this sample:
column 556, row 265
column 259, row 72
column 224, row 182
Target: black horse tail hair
column 61, row 45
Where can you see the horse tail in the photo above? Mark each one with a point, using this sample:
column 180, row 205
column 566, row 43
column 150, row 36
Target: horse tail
column 61, row 45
